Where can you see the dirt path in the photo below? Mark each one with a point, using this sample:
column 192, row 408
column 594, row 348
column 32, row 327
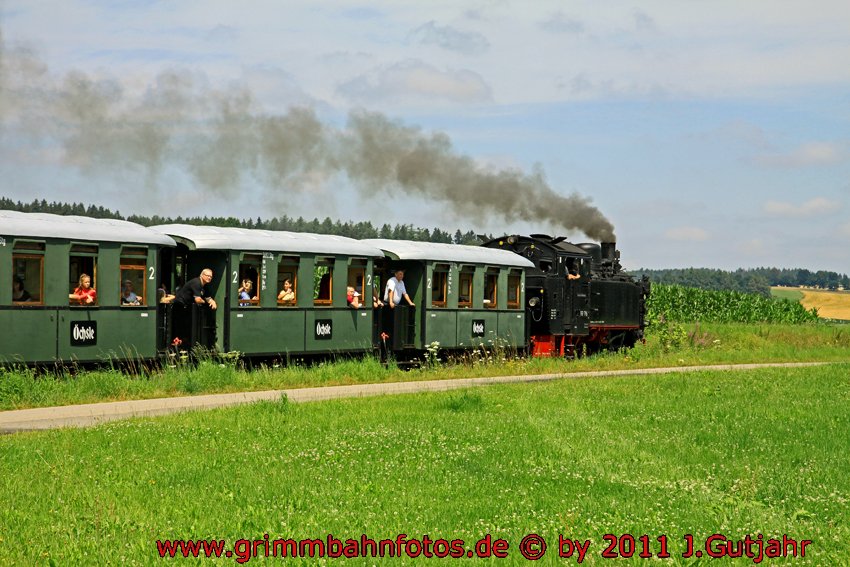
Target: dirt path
column 93, row 414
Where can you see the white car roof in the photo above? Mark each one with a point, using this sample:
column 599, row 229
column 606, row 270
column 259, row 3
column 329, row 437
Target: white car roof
column 46, row 225
column 230, row 238
column 457, row 253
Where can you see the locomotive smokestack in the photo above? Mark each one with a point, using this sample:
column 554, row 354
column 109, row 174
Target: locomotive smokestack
column 609, row 251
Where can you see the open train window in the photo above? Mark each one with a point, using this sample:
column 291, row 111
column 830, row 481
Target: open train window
column 82, row 275
column 28, row 273
column 248, row 293
column 491, row 285
column 323, row 281
column 357, row 279
column 545, row 266
column 133, row 272
column 439, row 281
column 464, row 297
column 287, row 281
column 514, row 279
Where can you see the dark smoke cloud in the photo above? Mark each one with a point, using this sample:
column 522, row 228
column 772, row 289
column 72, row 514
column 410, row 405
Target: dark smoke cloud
column 223, row 139
column 381, row 153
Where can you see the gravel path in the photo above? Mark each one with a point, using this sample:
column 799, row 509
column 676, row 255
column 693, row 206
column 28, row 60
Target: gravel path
column 91, row 414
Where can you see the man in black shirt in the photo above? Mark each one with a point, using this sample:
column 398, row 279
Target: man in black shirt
column 188, row 324
column 194, row 292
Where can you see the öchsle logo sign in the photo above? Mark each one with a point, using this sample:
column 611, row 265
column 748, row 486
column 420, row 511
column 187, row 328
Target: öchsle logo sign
column 83, row 333
column 478, row 328
column 324, row 329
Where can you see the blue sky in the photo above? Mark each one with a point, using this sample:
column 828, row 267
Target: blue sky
column 710, row 134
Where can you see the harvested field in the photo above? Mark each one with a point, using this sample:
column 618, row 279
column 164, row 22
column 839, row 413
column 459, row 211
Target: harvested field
column 830, row 304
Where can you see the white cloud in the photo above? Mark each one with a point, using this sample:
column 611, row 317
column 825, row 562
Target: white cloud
column 818, row 206
column 805, row 155
column 452, row 39
column 688, row 233
column 414, row 79
column 563, row 24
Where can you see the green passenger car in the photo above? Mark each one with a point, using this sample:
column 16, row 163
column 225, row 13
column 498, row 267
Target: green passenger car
column 280, row 293
column 464, row 296
column 47, row 257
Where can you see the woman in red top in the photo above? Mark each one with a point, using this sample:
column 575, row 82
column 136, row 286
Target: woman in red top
column 351, row 297
column 85, row 293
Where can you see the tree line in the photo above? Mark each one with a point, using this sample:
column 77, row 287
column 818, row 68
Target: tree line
column 751, row 280
column 358, row 230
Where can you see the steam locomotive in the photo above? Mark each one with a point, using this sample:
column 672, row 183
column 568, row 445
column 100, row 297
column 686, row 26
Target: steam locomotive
column 579, row 300
column 532, row 293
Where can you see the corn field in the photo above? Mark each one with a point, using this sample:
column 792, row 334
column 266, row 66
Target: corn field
column 688, row 304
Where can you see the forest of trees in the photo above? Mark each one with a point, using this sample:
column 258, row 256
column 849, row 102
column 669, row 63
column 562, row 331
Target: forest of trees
column 357, row 230
column 756, row 280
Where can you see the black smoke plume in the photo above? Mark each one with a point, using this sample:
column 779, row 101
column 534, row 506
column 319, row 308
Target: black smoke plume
column 223, row 138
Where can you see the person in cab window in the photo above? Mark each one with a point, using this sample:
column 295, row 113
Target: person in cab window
column 395, row 290
column 128, row 294
column 245, row 295
column 376, row 301
column 352, row 297
column 287, row 293
column 162, row 295
column 194, row 291
column 572, row 270
column 19, row 294
column 85, row 294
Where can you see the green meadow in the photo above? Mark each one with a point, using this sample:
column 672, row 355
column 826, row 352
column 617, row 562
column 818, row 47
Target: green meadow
column 789, row 293
column 731, row 453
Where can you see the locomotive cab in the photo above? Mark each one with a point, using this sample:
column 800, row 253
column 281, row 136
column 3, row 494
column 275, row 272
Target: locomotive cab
column 557, row 290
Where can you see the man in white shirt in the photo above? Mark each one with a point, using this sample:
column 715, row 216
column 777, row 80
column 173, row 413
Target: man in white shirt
column 395, row 290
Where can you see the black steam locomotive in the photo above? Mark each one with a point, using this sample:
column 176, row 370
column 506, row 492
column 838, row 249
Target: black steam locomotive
column 578, row 299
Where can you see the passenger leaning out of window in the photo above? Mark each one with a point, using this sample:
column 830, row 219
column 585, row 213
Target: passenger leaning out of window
column 85, row 294
column 194, row 291
column 395, row 290
column 245, row 292
column 128, row 295
column 287, row 293
column 352, row 297
column 18, row 291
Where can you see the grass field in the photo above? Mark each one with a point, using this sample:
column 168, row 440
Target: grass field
column 735, row 453
column 789, row 293
column 672, row 345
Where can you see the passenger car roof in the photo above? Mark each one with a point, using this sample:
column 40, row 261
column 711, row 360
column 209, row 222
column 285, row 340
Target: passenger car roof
column 230, row 238
column 458, row 253
column 46, row 225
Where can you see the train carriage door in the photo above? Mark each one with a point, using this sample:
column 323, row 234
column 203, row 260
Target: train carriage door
column 198, row 325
